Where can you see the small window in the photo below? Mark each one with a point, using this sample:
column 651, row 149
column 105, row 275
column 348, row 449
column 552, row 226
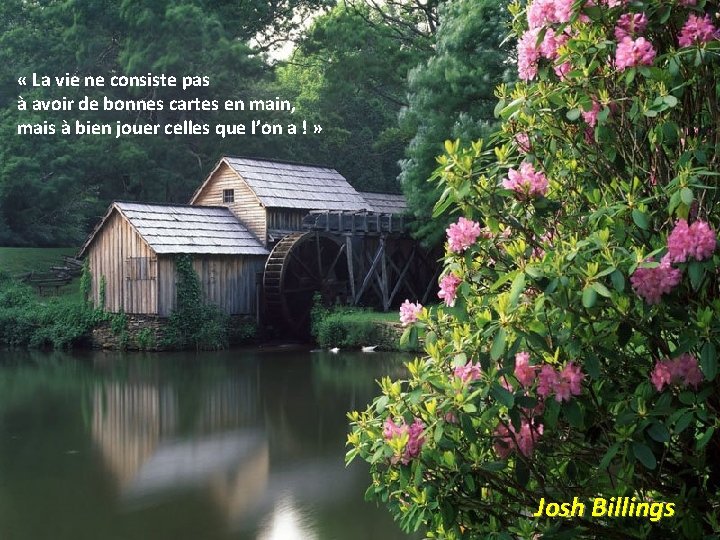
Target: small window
column 140, row 268
column 228, row 195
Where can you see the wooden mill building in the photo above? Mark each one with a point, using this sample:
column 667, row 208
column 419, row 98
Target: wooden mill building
column 241, row 210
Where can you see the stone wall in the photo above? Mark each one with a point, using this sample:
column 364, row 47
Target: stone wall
column 147, row 332
column 141, row 332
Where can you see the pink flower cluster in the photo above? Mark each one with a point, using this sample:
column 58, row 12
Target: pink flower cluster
column 681, row 370
column 462, row 235
column 468, row 373
column 591, row 116
column 634, row 52
column 652, row 283
column 414, row 432
column 448, row 289
column 543, row 12
column 697, row 241
column 409, row 312
column 697, row 30
column 530, row 53
column 523, row 141
column 507, row 440
column 563, row 383
column 527, row 182
column 630, row 24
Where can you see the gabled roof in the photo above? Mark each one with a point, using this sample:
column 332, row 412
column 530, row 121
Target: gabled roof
column 289, row 185
column 385, row 203
column 170, row 229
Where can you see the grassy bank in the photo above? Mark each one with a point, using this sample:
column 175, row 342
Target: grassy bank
column 16, row 261
column 353, row 328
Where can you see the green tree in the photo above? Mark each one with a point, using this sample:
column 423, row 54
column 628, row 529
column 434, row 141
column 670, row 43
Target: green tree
column 451, row 96
column 349, row 75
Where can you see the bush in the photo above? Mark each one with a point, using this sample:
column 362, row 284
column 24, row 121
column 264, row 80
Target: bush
column 577, row 352
column 194, row 323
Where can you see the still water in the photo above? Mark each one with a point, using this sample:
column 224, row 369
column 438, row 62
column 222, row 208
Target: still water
column 207, row 446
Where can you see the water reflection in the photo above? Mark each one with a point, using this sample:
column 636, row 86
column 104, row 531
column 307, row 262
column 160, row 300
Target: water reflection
column 287, row 522
column 258, row 438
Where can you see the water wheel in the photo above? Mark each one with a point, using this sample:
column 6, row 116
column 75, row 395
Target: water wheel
column 299, row 266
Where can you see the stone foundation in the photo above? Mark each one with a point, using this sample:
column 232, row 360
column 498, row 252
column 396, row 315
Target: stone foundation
column 145, row 333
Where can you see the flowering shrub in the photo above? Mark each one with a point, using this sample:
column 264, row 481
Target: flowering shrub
column 575, row 354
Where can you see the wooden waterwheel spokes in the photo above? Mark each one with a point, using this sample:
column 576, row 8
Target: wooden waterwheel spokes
column 299, row 266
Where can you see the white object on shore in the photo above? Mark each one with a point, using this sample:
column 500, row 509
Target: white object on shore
column 369, row 349
column 335, row 350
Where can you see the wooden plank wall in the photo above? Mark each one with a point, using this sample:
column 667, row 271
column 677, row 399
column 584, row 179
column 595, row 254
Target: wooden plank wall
column 246, row 206
column 227, row 281
column 113, row 245
column 286, row 219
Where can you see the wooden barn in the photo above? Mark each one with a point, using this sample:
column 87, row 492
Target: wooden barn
column 131, row 254
column 242, row 211
column 272, row 198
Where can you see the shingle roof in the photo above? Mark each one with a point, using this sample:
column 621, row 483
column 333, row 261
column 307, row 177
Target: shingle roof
column 288, row 185
column 385, row 203
column 187, row 229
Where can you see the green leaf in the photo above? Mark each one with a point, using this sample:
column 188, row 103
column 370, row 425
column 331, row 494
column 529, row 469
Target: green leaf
column 702, row 441
column 658, row 432
column 573, row 413
column 686, row 195
column 589, row 297
column 498, row 346
column 493, row 466
column 683, row 422
column 618, row 280
column 503, row 396
column 573, row 114
column 644, row 455
column 708, row 361
column 607, row 458
column 696, row 271
column 670, row 100
column 522, row 473
column 640, row 219
column 381, row 404
column 518, row 286
column 601, row 289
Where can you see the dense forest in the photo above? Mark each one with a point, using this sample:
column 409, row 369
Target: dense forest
column 388, row 81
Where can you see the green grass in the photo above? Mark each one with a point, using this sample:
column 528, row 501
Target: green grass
column 16, row 261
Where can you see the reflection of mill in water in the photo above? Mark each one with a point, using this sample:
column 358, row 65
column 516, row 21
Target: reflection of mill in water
column 146, row 441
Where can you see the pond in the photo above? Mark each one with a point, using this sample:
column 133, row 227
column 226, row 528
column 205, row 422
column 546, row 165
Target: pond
column 242, row 444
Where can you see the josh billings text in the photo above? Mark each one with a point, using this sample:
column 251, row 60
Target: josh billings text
column 612, row 507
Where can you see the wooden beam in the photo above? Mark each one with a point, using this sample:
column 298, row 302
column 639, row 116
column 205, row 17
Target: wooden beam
column 402, row 277
column 384, row 276
column 350, row 265
column 368, row 276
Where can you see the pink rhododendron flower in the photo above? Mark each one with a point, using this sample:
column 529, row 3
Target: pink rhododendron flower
column 651, row 283
column 528, row 55
column 507, row 440
column 524, row 372
column 547, row 380
column 414, row 431
column 630, row 24
column 468, row 373
column 526, row 181
column 631, row 53
column 572, row 373
column 523, row 142
column 541, row 12
column 591, row 116
column 615, row 3
column 697, row 30
column 448, row 289
column 561, row 70
column 409, row 312
column 563, row 10
column 551, row 43
column 697, row 241
column 462, row 235
column 681, row 370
